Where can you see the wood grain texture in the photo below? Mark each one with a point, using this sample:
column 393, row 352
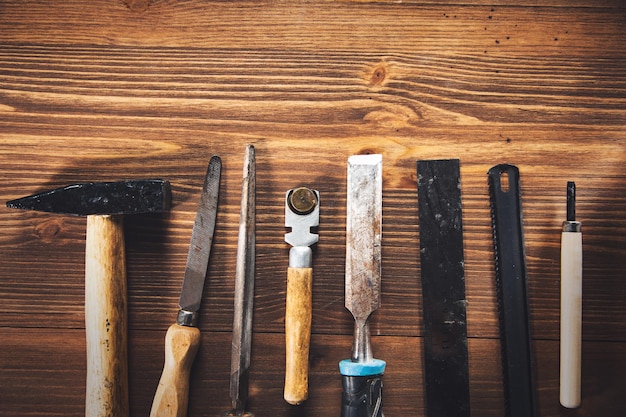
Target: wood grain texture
column 298, row 316
column 571, row 318
column 106, row 323
column 107, row 90
column 172, row 394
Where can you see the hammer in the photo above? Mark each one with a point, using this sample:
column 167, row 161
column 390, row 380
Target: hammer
column 104, row 203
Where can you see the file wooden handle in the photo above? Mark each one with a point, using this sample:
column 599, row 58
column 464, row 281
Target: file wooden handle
column 172, row 394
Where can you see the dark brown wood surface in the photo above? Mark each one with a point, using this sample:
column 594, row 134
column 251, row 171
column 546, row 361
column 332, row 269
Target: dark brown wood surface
column 108, row 90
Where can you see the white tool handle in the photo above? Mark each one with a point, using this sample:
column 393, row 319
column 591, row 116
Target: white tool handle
column 571, row 318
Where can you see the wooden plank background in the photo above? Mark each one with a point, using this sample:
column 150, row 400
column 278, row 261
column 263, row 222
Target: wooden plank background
column 107, row 90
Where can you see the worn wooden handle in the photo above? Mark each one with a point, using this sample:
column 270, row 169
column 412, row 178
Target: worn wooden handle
column 172, row 394
column 298, row 334
column 571, row 318
column 105, row 318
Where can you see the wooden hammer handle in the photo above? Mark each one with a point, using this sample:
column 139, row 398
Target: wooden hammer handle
column 298, row 314
column 105, row 318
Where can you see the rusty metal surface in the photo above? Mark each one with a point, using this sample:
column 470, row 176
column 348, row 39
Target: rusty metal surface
column 244, row 288
column 363, row 247
column 101, row 198
column 363, row 235
column 201, row 239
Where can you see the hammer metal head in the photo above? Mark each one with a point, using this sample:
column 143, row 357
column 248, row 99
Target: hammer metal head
column 101, row 198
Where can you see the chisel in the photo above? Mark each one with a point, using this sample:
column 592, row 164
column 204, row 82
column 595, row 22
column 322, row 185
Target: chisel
column 183, row 337
column 571, row 303
column 244, row 291
column 302, row 212
column 362, row 374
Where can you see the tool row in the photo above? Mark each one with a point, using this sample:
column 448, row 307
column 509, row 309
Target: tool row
column 442, row 277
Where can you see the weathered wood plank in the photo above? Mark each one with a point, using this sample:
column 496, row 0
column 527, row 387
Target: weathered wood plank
column 534, row 29
column 50, row 248
column 116, row 89
column 54, row 365
column 51, row 263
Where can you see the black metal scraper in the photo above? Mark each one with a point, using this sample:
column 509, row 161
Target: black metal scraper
column 443, row 289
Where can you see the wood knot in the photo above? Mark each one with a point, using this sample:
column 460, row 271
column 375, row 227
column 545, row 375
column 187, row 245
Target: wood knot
column 48, row 230
column 368, row 151
column 378, row 74
column 137, row 5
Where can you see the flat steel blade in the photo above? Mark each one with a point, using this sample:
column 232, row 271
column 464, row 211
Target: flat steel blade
column 363, row 235
column 363, row 246
column 201, row 240
column 244, row 288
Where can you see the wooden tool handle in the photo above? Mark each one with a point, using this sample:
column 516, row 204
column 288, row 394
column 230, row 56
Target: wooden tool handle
column 298, row 334
column 571, row 318
column 172, row 394
column 105, row 318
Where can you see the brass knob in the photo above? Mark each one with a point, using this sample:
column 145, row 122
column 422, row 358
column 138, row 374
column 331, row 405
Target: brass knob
column 302, row 200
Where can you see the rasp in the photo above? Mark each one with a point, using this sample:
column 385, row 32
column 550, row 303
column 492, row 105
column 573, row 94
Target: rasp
column 244, row 291
column 446, row 372
column 511, row 286
column 571, row 303
column 183, row 337
column 302, row 212
column 362, row 374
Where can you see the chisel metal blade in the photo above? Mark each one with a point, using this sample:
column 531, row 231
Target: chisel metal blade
column 244, row 289
column 363, row 235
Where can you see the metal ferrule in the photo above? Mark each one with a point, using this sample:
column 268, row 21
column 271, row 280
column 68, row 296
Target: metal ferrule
column 300, row 257
column 187, row 318
column 361, row 348
column 572, row 226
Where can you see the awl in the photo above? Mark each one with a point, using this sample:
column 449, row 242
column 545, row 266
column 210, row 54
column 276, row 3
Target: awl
column 302, row 211
column 571, row 303
column 244, row 291
column 183, row 337
column 362, row 374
